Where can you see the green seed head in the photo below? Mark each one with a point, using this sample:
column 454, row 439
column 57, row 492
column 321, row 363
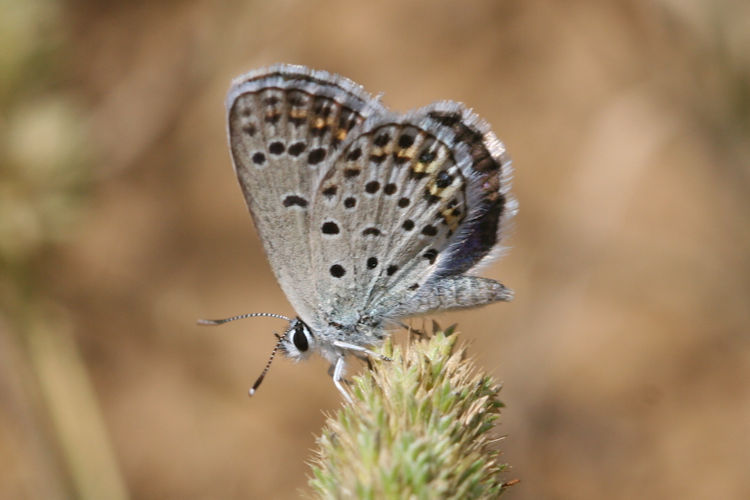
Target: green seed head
column 418, row 428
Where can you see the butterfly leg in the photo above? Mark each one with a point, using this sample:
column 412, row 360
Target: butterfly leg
column 357, row 348
column 338, row 375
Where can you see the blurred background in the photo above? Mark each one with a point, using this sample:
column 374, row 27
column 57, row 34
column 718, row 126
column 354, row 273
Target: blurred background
column 625, row 357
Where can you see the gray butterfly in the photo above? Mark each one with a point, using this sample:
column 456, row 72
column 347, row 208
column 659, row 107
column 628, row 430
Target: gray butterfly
column 366, row 216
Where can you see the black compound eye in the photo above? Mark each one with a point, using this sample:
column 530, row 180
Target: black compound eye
column 300, row 339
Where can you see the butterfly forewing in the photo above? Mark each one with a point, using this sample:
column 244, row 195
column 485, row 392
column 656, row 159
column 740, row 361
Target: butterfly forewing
column 285, row 125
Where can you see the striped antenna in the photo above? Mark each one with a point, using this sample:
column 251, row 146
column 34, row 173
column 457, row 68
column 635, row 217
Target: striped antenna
column 257, row 383
column 241, row 316
column 255, row 386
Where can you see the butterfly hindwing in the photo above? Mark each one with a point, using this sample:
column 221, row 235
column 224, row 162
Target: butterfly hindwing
column 398, row 203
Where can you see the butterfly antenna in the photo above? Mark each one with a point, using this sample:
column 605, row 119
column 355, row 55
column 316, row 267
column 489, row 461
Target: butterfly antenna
column 268, row 365
column 241, row 316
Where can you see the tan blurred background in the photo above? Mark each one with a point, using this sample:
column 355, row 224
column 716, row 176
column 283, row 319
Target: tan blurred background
column 625, row 356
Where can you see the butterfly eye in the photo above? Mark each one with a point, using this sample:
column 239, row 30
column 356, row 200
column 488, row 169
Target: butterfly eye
column 300, row 339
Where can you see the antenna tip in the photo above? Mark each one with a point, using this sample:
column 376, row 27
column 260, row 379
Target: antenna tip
column 251, row 392
column 207, row 322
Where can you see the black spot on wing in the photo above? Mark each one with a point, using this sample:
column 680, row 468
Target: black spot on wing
column 294, row 200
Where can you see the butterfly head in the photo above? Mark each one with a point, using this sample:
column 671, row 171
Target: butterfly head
column 298, row 341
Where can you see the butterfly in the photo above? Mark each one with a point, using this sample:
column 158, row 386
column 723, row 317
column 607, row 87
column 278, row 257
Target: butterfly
column 366, row 216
